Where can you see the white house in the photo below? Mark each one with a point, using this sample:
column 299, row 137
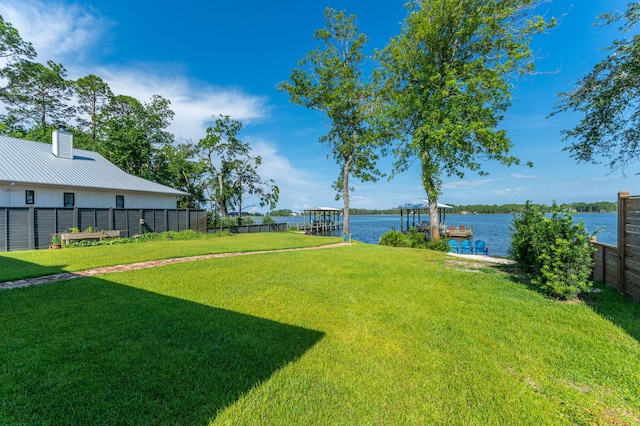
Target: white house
column 42, row 175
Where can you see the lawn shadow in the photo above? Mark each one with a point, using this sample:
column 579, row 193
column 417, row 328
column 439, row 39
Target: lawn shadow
column 615, row 307
column 89, row 351
column 13, row 269
column 606, row 301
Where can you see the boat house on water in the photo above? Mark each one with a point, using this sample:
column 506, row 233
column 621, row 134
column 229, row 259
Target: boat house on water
column 409, row 212
column 320, row 220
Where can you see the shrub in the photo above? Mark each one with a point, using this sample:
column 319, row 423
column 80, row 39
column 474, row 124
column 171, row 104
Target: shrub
column 394, row 239
column 416, row 239
column 554, row 250
column 438, row 245
column 268, row 220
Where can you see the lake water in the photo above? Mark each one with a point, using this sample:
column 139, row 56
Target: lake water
column 492, row 228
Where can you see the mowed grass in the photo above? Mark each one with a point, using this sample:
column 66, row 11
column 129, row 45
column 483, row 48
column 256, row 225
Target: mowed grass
column 34, row 263
column 351, row 335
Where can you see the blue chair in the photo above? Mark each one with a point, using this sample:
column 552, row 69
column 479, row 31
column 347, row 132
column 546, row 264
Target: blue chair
column 481, row 247
column 453, row 246
column 466, row 247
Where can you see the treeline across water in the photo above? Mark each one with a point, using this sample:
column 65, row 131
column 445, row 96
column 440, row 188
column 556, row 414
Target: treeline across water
column 578, row 207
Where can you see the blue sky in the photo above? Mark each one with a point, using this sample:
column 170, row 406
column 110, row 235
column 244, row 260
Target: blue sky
column 222, row 57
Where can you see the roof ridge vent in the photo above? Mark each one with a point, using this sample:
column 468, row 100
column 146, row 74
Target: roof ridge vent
column 62, row 144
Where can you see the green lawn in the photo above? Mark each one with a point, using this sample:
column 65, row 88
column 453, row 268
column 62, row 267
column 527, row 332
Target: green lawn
column 351, row 335
column 33, row 263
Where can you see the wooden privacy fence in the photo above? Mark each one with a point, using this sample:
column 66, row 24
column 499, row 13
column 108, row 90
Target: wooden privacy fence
column 619, row 266
column 27, row 228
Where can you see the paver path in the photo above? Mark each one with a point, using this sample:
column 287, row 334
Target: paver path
column 46, row 279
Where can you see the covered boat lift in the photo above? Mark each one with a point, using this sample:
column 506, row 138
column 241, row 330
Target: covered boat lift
column 409, row 211
column 320, row 220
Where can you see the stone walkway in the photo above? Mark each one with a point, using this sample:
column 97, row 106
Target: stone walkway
column 142, row 265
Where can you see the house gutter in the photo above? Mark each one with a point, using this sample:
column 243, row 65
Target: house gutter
column 11, row 186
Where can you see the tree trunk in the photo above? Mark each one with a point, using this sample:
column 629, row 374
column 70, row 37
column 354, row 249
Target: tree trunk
column 221, row 199
column 431, row 186
column 345, row 196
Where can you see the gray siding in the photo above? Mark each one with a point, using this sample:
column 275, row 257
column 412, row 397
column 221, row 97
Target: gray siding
column 31, row 228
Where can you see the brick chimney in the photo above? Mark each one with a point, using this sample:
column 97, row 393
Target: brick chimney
column 62, row 144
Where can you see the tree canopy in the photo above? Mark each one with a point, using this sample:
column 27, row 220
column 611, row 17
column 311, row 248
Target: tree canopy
column 608, row 99
column 331, row 79
column 12, row 46
column 447, row 81
column 231, row 169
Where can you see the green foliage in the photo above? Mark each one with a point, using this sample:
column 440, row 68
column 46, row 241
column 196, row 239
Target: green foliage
column 147, row 236
column 11, row 44
column 412, row 238
column 93, row 96
column 229, row 169
column 438, row 245
column 74, row 230
column 178, row 166
column 331, row 79
column 554, row 250
column 268, row 220
column 132, row 131
column 416, row 239
column 446, row 79
column 281, row 212
column 394, row 239
column 56, row 239
column 38, row 95
column 607, row 99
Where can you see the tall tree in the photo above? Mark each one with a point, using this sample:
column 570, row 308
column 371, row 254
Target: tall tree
column 608, row 98
column 131, row 131
column 12, row 47
column 231, row 169
column 38, row 95
column 93, row 96
column 247, row 181
column 331, row 79
column 448, row 83
column 179, row 167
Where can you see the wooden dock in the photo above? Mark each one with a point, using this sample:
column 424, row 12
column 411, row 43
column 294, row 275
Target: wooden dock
column 320, row 220
column 461, row 231
column 319, row 227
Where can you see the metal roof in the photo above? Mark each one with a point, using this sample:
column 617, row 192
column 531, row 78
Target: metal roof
column 321, row 209
column 424, row 205
column 24, row 161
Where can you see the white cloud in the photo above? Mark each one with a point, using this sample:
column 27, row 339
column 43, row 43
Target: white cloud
column 65, row 32
column 521, row 176
column 56, row 30
column 194, row 103
column 463, row 184
column 298, row 188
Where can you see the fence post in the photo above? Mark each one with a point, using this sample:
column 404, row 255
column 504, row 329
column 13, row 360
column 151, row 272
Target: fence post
column 5, row 237
column 31, row 228
column 623, row 197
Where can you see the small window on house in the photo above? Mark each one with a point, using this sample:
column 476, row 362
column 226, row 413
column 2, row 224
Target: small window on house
column 119, row 201
column 30, row 196
column 69, row 199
